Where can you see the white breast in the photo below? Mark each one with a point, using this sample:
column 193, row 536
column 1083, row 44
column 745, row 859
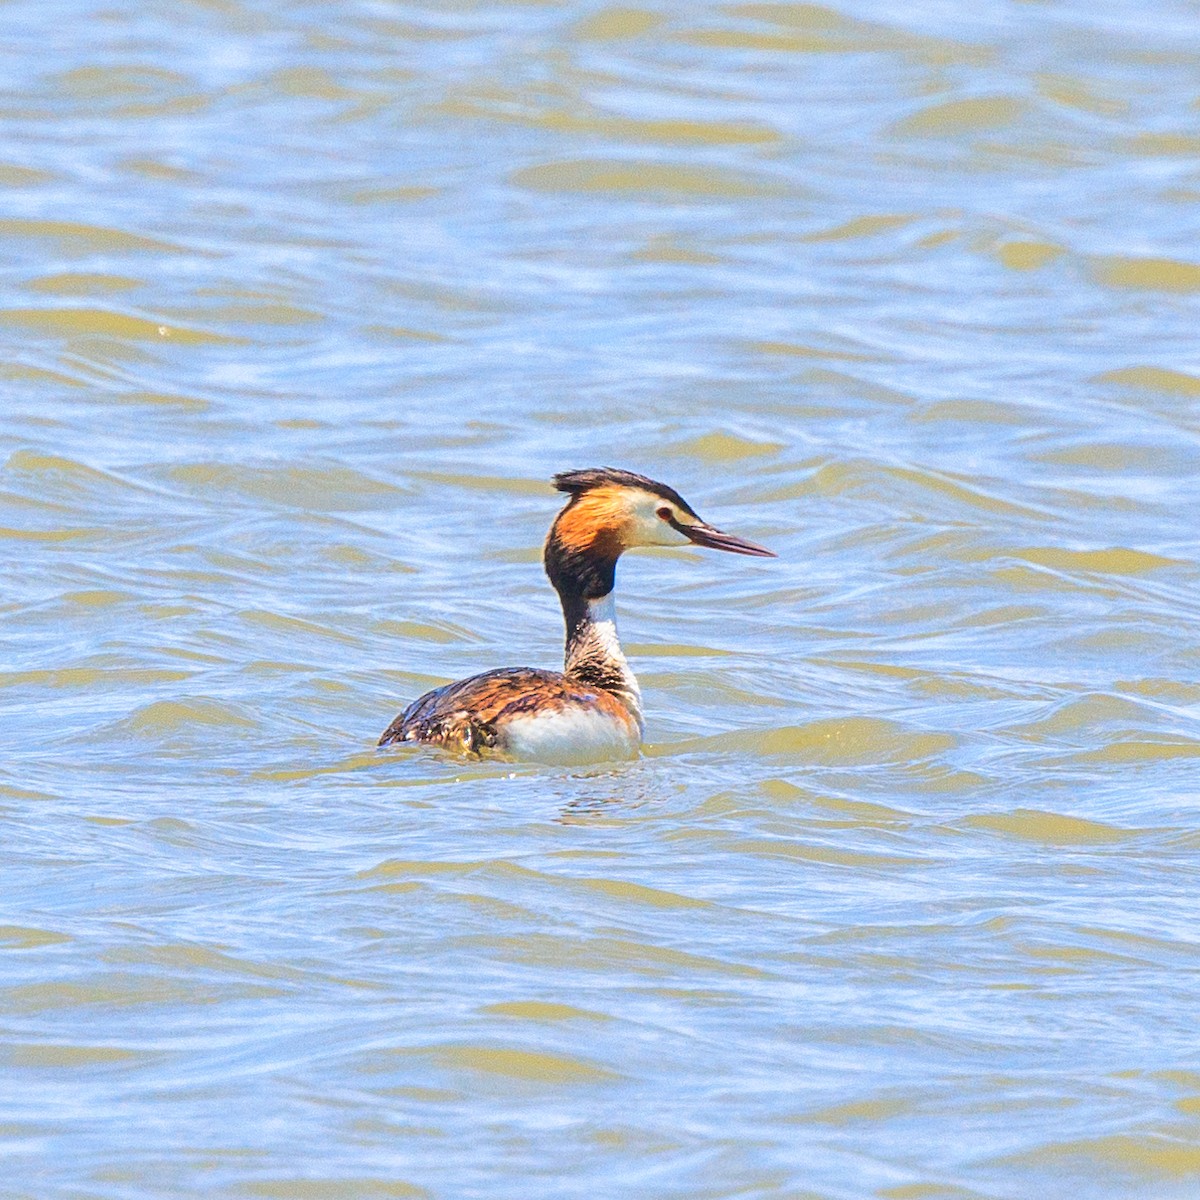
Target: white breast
column 573, row 735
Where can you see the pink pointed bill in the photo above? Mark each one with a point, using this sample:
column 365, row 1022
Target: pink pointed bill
column 706, row 535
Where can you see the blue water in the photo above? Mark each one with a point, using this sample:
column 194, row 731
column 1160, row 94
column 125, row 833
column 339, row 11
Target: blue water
column 305, row 304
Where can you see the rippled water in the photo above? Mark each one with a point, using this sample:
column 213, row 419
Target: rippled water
column 304, row 303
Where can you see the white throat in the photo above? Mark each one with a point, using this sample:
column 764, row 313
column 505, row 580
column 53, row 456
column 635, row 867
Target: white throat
column 602, row 616
column 597, row 645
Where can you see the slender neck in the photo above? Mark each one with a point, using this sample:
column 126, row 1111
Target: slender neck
column 593, row 655
column 593, row 651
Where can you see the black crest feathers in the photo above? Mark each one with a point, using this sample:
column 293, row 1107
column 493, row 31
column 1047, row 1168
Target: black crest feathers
column 578, row 483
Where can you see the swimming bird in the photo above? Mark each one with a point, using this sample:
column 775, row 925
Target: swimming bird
column 591, row 711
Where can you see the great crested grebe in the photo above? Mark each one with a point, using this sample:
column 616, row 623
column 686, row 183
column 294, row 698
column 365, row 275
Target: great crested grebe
column 591, row 711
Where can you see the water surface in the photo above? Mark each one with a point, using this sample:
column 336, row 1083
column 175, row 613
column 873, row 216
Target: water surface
column 303, row 305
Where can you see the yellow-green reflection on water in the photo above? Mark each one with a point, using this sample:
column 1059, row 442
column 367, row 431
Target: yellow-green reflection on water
column 306, row 303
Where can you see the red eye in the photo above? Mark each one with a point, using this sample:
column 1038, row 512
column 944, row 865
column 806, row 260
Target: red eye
column 664, row 513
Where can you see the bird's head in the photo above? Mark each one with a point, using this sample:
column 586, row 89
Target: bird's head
column 611, row 511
